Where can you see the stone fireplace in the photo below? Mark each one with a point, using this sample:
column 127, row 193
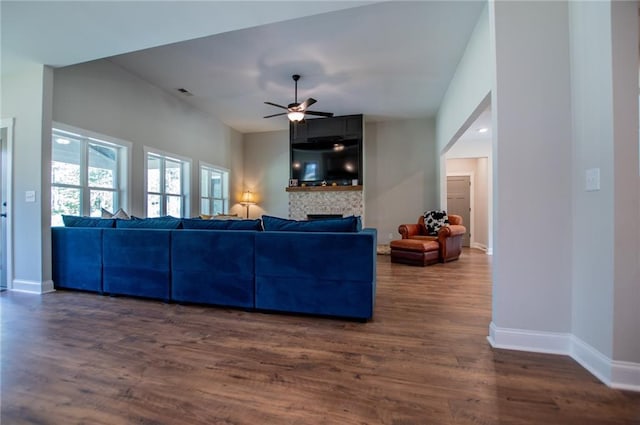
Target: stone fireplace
column 325, row 200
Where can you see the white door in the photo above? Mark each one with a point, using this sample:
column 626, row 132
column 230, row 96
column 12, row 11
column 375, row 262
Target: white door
column 459, row 201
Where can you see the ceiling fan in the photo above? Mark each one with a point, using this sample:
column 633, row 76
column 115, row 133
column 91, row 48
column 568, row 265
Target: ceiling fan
column 296, row 111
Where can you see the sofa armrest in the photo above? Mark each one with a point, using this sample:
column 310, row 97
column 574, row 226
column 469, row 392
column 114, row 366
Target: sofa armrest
column 408, row 230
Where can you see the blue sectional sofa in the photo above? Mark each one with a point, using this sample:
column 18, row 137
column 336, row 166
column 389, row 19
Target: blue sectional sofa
column 310, row 271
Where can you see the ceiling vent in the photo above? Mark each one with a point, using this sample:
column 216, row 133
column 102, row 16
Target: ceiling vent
column 185, row 92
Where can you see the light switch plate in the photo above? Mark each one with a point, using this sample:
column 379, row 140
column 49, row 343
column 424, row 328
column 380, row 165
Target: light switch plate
column 30, row 196
column 592, row 179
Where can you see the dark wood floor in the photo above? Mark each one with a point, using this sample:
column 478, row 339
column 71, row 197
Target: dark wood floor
column 76, row 358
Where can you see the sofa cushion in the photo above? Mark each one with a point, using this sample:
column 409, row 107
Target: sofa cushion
column 166, row 222
column 137, row 262
column 215, row 224
column 346, row 224
column 76, row 221
column 76, row 258
column 434, row 220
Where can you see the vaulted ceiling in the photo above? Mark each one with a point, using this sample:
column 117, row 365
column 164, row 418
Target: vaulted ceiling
column 387, row 60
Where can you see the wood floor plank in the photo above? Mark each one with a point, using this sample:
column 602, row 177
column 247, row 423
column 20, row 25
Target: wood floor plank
column 79, row 358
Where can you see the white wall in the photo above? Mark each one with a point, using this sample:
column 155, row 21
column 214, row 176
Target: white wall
column 606, row 256
column 26, row 96
column 400, row 174
column 532, row 172
column 593, row 249
column 469, row 86
column 266, row 165
column 104, row 98
column 626, row 335
column 483, row 202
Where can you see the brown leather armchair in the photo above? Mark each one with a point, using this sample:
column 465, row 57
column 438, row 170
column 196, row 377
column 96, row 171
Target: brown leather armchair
column 449, row 237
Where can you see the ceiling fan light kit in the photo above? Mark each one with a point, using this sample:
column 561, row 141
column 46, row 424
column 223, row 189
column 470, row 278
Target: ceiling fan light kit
column 296, row 111
column 295, row 116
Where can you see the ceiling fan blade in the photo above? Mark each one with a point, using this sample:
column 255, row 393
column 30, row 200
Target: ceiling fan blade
column 304, row 105
column 320, row 114
column 276, row 105
column 276, row 115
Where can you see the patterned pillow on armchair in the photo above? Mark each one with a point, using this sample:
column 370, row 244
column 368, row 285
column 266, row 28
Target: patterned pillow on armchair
column 434, row 220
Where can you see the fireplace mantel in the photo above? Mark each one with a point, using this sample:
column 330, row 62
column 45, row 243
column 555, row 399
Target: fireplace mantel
column 324, row 189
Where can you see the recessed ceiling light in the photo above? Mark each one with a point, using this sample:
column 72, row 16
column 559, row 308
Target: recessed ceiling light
column 483, row 130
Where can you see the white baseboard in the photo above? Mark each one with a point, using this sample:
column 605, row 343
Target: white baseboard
column 478, row 245
column 615, row 374
column 32, row 286
column 534, row 341
column 625, row 376
column 591, row 359
column 481, row 247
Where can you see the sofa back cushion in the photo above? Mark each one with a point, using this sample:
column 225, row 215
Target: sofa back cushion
column 215, row 224
column 76, row 221
column 350, row 224
column 167, row 223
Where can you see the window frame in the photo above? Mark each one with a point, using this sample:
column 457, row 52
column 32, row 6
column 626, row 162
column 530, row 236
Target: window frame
column 185, row 181
column 122, row 194
column 226, row 177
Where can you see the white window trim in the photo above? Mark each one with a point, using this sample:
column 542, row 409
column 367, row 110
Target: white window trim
column 219, row 168
column 186, row 177
column 124, row 181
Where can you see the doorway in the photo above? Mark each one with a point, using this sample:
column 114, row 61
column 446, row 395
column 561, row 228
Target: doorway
column 459, row 202
column 6, row 139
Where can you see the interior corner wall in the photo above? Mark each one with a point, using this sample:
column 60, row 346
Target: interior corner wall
column 105, row 98
column 593, row 246
column 266, row 172
column 531, row 103
column 24, row 97
column 401, row 167
column 626, row 268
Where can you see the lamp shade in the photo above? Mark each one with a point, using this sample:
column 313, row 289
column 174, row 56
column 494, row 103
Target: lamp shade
column 247, row 198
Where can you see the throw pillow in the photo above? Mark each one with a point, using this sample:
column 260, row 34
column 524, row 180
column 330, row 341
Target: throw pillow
column 220, row 217
column 214, row 224
column 434, row 220
column 76, row 221
column 120, row 213
column 345, row 225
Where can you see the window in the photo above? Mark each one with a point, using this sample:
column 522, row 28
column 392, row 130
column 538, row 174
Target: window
column 167, row 185
column 214, row 190
column 87, row 174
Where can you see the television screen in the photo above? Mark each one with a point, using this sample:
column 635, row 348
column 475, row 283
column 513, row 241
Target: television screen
column 330, row 161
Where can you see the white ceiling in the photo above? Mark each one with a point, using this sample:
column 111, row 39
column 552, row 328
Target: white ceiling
column 385, row 60
column 473, row 143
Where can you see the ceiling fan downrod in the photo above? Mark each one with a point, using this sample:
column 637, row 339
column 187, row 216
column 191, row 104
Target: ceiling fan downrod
column 296, row 77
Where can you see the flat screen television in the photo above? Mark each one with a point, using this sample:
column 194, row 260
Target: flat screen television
column 330, row 161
